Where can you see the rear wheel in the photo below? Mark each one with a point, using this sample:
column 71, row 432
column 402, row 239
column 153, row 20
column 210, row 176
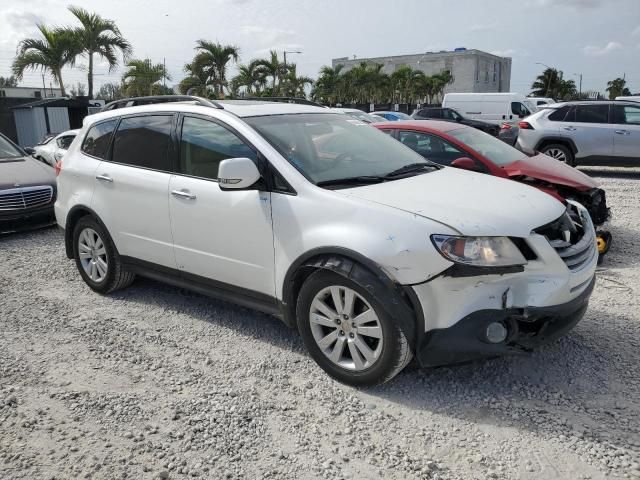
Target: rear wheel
column 348, row 332
column 559, row 152
column 97, row 259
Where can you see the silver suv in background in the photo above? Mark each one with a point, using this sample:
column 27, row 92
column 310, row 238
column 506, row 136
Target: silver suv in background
column 585, row 133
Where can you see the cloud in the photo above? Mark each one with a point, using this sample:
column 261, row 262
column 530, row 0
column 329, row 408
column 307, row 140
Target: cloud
column 17, row 25
column 483, row 27
column 266, row 35
column 509, row 52
column 575, row 4
column 636, row 32
column 592, row 51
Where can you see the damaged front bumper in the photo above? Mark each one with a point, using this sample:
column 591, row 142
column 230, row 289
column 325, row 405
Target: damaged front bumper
column 525, row 329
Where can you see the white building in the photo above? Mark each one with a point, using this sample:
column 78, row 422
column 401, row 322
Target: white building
column 472, row 70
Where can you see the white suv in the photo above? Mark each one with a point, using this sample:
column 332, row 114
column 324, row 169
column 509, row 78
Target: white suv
column 585, row 133
column 373, row 253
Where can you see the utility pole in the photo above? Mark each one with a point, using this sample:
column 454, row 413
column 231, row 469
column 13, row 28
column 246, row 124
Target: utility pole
column 164, row 71
column 579, row 75
column 44, row 87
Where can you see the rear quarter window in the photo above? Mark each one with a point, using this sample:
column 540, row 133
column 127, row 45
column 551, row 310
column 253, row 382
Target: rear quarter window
column 559, row 114
column 96, row 142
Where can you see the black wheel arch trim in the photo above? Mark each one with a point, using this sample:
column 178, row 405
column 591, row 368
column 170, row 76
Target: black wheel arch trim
column 557, row 139
column 400, row 301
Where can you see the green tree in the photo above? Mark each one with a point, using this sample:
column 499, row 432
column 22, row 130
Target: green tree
column 294, row 85
column 8, row 82
column 197, row 80
column 329, row 85
column 617, row 88
column 110, row 92
column 272, row 67
column 251, row 77
column 217, row 58
column 55, row 50
column 99, row 36
column 143, row 78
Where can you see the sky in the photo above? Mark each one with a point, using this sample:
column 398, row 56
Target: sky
column 599, row 39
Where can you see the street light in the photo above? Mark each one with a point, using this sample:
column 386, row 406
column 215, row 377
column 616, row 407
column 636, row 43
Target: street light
column 289, row 51
column 580, row 88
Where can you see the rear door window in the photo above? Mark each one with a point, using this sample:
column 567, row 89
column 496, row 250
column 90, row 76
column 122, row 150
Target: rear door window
column 592, row 113
column 626, row 115
column 144, row 142
column 98, row 138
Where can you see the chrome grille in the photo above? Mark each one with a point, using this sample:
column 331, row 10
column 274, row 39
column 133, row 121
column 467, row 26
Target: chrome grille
column 573, row 237
column 25, row 197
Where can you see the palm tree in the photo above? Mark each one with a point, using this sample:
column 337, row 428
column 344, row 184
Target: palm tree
column 273, row 68
column 329, row 85
column 52, row 53
column 142, row 78
column 250, row 76
column 617, row 88
column 101, row 36
column 217, row 57
column 197, row 80
column 294, row 85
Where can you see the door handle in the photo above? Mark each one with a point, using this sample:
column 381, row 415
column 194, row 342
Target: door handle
column 104, row 178
column 623, row 132
column 570, row 129
column 183, row 194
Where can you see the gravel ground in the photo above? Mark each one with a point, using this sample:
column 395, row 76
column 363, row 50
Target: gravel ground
column 157, row 382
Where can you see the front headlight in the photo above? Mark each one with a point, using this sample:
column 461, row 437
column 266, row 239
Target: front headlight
column 479, row 251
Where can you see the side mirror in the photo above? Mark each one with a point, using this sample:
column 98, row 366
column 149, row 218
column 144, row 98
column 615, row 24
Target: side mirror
column 30, row 150
column 237, row 173
column 465, row 163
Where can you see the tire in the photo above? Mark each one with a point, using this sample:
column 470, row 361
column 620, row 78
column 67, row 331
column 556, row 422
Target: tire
column 560, row 152
column 384, row 343
column 107, row 275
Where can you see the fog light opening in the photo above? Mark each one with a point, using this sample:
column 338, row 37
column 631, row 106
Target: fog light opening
column 496, row 332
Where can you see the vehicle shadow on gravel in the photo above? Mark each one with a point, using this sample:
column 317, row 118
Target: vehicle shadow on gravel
column 244, row 321
column 611, row 172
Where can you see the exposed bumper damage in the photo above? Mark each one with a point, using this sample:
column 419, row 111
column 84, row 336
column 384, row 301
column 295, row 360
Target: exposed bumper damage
column 526, row 328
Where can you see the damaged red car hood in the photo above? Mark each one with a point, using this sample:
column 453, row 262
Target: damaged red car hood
column 547, row 169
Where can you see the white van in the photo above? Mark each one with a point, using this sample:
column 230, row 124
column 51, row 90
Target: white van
column 539, row 102
column 495, row 108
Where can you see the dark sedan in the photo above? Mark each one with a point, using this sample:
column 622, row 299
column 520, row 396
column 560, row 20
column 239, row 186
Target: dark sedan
column 451, row 115
column 27, row 190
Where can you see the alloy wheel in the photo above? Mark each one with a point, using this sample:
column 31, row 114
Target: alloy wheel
column 346, row 328
column 93, row 255
column 557, row 154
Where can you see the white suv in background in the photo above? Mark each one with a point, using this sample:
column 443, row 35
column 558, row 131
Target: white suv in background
column 585, row 133
column 373, row 253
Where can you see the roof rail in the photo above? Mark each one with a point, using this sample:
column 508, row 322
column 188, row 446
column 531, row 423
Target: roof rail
column 134, row 101
column 301, row 101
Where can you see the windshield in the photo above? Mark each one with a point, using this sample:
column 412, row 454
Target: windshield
column 495, row 150
column 7, row 150
column 327, row 147
column 402, row 116
column 365, row 117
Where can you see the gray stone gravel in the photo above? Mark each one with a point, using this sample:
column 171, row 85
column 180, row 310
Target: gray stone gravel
column 156, row 382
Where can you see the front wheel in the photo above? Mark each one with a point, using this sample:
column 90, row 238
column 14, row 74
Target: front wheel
column 347, row 331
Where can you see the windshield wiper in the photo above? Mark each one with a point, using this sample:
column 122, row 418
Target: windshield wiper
column 412, row 167
column 360, row 180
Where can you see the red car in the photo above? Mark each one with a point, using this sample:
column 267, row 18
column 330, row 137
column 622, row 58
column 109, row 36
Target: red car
column 465, row 147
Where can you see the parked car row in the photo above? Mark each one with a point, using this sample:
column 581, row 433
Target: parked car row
column 374, row 253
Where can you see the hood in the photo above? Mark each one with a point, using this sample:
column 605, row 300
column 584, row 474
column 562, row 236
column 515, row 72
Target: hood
column 25, row 172
column 471, row 203
column 547, row 169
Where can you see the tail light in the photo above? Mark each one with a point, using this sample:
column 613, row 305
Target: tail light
column 525, row 126
column 58, row 167
column 505, row 126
